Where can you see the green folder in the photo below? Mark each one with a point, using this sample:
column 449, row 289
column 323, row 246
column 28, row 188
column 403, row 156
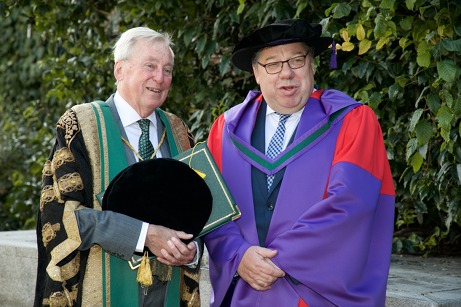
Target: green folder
column 224, row 208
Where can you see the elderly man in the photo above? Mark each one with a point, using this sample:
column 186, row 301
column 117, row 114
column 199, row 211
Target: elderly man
column 83, row 250
column 309, row 171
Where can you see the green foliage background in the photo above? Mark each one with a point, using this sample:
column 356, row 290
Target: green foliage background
column 400, row 57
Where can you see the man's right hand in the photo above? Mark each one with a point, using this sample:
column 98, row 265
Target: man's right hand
column 257, row 269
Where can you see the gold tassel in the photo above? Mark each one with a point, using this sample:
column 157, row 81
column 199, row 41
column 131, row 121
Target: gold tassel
column 144, row 276
column 203, row 175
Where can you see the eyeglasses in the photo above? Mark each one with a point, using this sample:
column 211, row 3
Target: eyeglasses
column 294, row 63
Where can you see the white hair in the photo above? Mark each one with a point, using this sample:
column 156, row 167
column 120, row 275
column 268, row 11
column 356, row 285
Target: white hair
column 123, row 48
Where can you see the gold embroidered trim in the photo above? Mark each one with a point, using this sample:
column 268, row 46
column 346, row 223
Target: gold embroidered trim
column 192, row 298
column 108, row 274
column 62, row 299
column 49, row 232
column 47, row 170
column 92, row 284
column 92, row 290
column 56, row 191
column 60, row 157
column 46, row 196
column 105, row 148
column 70, row 183
column 71, row 268
column 69, row 123
column 69, row 245
column 180, row 132
column 87, row 119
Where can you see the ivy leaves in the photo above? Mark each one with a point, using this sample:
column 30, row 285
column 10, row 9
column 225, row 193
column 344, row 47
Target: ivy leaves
column 408, row 55
column 402, row 58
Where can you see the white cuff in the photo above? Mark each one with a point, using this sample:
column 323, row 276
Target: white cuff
column 194, row 262
column 142, row 238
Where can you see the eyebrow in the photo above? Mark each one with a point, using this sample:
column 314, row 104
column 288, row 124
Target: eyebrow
column 156, row 60
column 295, row 54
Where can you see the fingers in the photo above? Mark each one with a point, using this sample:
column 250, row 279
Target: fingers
column 257, row 269
column 183, row 235
column 178, row 249
column 162, row 238
column 177, row 253
column 266, row 253
column 276, row 271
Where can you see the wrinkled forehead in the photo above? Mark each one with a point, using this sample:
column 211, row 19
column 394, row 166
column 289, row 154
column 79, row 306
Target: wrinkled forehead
column 157, row 50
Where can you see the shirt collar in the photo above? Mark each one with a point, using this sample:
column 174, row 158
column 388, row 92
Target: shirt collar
column 269, row 112
column 127, row 114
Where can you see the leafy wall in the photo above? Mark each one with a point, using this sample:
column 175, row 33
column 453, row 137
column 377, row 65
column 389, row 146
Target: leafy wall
column 400, row 57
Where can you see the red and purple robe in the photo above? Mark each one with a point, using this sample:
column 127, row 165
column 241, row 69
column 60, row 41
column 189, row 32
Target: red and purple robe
column 333, row 220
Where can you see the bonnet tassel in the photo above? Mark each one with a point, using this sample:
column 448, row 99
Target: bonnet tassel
column 333, row 64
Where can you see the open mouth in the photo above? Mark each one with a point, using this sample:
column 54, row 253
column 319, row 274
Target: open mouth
column 154, row 90
column 288, row 88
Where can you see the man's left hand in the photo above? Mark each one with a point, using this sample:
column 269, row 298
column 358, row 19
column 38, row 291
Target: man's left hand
column 178, row 253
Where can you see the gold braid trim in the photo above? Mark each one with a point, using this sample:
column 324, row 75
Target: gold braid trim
column 92, row 284
column 56, row 192
column 60, row 157
column 92, row 290
column 49, row 232
column 66, row 247
column 69, row 123
column 71, row 268
column 47, row 170
column 62, row 299
column 88, row 123
column 181, row 133
column 46, row 196
column 191, row 296
column 70, row 183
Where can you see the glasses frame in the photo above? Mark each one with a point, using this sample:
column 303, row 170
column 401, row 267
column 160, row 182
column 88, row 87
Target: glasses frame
column 283, row 62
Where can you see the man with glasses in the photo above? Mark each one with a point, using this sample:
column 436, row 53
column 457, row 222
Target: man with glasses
column 309, row 171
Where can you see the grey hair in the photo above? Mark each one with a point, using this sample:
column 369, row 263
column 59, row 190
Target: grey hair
column 123, row 48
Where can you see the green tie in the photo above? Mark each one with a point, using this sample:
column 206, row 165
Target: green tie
column 145, row 148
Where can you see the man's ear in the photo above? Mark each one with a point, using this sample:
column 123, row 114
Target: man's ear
column 118, row 70
column 313, row 68
column 256, row 73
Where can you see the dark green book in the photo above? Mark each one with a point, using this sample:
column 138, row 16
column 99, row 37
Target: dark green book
column 224, row 208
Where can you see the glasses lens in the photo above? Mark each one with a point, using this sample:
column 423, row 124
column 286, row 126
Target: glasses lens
column 273, row 68
column 297, row 62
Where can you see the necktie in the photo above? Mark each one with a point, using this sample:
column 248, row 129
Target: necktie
column 145, row 147
column 276, row 144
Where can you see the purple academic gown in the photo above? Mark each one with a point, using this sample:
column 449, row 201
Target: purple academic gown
column 333, row 220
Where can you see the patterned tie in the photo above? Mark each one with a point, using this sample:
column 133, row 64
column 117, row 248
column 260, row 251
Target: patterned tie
column 276, row 144
column 145, row 147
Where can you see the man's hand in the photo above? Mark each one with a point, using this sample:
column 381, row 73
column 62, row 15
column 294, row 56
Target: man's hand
column 257, row 269
column 166, row 244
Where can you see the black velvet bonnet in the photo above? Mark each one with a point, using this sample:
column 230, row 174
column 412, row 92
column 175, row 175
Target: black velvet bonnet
column 161, row 191
column 279, row 33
